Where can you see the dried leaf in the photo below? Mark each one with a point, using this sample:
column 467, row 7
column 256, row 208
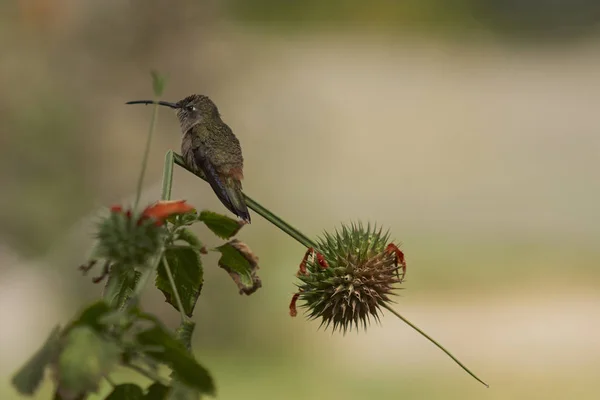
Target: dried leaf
column 241, row 264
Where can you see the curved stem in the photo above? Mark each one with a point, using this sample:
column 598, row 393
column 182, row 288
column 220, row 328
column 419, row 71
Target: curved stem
column 138, row 193
column 260, row 210
column 439, row 346
column 174, row 287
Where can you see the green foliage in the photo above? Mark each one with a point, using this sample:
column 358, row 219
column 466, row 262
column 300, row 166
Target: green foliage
column 126, row 391
column 173, row 353
column 157, row 391
column 222, row 226
column 186, row 266
column 127, row 240
column 120, row 285
column 85, row 358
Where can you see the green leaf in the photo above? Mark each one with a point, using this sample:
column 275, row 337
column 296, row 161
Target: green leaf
column 190, row 238
column 91, row 316
column 222, row 226
column 120, row 285
column 157, row 391
column 180, row 390
column 126, row 391
column 174, row 354
column 85, row 359
column 158, row 83
column 241, row 264
column 29, row 377
column 186, row 267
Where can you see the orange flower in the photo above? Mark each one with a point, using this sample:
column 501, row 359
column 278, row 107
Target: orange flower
column 164, row 209
column 159, row 211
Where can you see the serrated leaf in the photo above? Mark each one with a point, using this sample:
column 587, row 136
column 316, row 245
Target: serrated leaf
column 85, row 359
column 29, row 377
column 158, row 83
column 120, row 285
column 186, row 266
column 241, row 264
column 126, row 391
column 174, row 354
column 181, row 391
column 157, row 391
column 221, row 225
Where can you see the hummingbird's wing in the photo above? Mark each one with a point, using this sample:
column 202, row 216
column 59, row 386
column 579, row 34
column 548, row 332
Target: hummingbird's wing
column 228, row 192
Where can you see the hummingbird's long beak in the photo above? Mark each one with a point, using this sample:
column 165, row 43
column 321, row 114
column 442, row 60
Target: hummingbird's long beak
column 162, row 103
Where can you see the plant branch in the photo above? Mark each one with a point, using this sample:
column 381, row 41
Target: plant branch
column 167, row 181
column 138, row 193
column 260, row 210
column 145, row 276
column 439, row 346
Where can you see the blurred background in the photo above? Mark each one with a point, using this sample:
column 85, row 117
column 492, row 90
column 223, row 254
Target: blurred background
column 469, row 128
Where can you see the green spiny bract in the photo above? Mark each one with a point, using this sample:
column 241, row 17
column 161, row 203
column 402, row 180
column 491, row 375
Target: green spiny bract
column 127, row 240
column 361, row 274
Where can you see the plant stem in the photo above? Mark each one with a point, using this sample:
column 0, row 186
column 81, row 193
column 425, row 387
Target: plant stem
column 167, row 181
column 145, row 276
column 175, row 292
column 439, row 346
column 260, row 210
column 138, row 193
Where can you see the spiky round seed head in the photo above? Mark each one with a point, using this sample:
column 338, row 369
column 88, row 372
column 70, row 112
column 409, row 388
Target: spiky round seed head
column 128, row 240
column 359, row 279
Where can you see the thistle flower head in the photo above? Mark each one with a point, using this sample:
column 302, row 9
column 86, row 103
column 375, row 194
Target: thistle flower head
column 129, row 239
column 349, row 277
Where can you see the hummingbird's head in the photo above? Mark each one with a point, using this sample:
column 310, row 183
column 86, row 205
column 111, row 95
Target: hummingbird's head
column 193, row 110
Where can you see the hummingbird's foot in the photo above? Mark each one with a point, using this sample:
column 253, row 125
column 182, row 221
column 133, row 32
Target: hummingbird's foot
column 320, row 259
column 393, row 249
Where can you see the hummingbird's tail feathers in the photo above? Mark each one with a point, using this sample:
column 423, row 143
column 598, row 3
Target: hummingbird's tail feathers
column 236, row 199
column 228, row 190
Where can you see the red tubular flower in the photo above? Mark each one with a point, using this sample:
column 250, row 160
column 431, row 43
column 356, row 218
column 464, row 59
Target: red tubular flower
column 164, row 209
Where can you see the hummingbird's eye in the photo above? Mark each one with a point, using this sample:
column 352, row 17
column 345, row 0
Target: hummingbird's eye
column 190, row 108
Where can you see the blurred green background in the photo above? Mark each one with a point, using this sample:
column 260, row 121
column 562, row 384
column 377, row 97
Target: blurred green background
column 469, row 129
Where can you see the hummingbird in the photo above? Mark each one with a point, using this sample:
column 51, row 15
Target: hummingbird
column 210, row 147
